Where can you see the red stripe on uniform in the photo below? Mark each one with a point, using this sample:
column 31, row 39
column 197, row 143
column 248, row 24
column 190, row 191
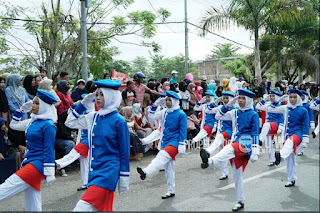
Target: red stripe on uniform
column 172, row 151
column 31, row 176
column 241, row 155
column 100, row 198
column 82, row 149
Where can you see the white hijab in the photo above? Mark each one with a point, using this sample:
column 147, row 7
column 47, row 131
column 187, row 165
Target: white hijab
column 248, row 105
column 298, row 103
column 233, row 84
column 136, row 110
column 175, row 105
column 112, row 100
column 306, row 98
column 46, row 112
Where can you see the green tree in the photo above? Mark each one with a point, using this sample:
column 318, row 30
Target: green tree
column 58, row 40
column 223, row 51
column 140, row 64
column 238, row 68
column 253, row 15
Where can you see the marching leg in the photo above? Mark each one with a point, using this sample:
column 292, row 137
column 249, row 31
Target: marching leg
column 13, row 185
column 83, row 206
column 238, row 182
column 170, row 176
column 269, row 147
column 218, row 141
column 225, row 154
column 264, row 131
column 203, row 133
column 284, row 153
column 33, row 199
column 291, row 170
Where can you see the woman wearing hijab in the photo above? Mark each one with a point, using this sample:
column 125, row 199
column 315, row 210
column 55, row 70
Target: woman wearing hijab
column 46, row 84
column 4, row 107
column 193, row 99
column 219, row 91
column 273, row 124
column 244, row 142
column 108, row 145
column 225, row 85
column 63, row 93
column 211, row 89
column 165, row 87
column 152, row 86
column 233, row 84
column 296, row 131
column 315, row 106
column 136, row 150
column 16, row 95
column 198, row 91
column 29, row 84
column 39, row 162
column 172, row 143
column 142, row 127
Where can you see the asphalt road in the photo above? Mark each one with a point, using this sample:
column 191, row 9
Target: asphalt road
column 198, row 189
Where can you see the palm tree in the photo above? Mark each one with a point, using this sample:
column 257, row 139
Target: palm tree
column 252, row 15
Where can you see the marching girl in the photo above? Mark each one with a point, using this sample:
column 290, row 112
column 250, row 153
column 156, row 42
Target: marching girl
column 80, row 151
column 315, row 106
column 38, row 164
column 245, row 142
column 208, row 124
column 306, row 105
column 225, row 132
column 108, row 146
column 273, row 124
column 296, row 131
column 173, row 141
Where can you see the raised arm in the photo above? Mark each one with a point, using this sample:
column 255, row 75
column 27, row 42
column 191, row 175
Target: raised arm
column 17, row 124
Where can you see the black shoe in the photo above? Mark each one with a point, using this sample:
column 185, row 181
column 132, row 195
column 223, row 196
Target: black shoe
column 271, row 164
column 300, row 153
column 168, row 196
column 314, row 135
column 237, row 207
column 141, row 172
column 290, row 183
column 204, row 156
column 82, row 188
column 161, row 170
column 260, row 143
column 223, row 177
column 278, row 158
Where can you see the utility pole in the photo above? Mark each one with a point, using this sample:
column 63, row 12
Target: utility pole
column 186, row 37
column 84, row 61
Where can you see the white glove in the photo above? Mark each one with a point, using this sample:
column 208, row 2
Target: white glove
column 88, row 99
column 77, row 103
column 123, row 184
column 218, row 100
column 282, row 98
column 26, row 107
column 253, row 158
column 267, row 98
column 304, row 144
column 233, row 101
column 182, row 148
column 50, row 179
column 160, row 101
column 312, row 125
column 202, row 100
column 305, row 140
column 214, row 127
column 279, row 131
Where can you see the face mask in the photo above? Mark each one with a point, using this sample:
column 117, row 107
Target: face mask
column 175, row 75
column 81, row 87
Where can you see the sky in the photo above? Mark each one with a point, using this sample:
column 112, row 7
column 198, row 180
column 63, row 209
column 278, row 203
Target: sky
column 170, row 37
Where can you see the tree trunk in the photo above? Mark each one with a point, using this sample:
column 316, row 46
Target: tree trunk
column 279, row 67
column 257, row 52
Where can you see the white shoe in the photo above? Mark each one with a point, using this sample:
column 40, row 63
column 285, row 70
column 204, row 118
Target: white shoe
column 63, row 173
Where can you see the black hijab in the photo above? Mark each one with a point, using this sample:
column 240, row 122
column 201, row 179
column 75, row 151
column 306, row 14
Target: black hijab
column 27, row 84
column 62, row 86
column 4, row 107
column 218, row 92
column 182, row 86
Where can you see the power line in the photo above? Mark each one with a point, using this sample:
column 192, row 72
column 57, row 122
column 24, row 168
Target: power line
column 220, row 36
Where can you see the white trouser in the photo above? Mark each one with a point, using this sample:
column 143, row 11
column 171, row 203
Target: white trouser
column 13, row 185
column 202, row 133
column 225, row 154
column 287, row 153
column 264, row 131
column 238, row 182
column 269, row 146
column 83, row 206
column 316, row 131
column 163, row 160
column 84, row 170
column 224, row 165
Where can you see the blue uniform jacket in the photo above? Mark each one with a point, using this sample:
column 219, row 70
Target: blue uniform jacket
column 298, row 122
column 310, row 112
column 40, row 137
column 273, row 117
column 109, row 146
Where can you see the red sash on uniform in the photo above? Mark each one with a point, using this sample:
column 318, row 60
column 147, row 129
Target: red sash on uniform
column 31, row 176
column 209, row 130
column 100, row 198
column 226, row 138
column 172, row 151
column 296, row 142
column 241, row 156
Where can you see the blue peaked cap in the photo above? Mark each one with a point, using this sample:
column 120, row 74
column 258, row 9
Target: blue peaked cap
column 275, row 92
column 228, row 93
column 294, row 91
column 173, row 94
column 108, row 83
column 246, row 92
column 47, row 97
